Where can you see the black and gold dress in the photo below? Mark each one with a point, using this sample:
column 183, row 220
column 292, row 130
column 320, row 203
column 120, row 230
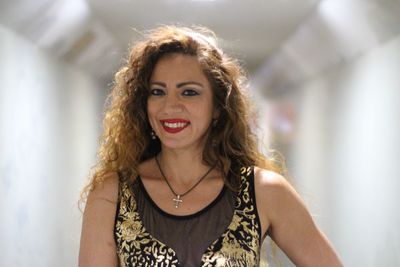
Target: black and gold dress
column 225, row 233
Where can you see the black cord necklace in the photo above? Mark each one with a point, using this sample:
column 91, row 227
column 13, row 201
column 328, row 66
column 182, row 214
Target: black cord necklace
column 178, row 197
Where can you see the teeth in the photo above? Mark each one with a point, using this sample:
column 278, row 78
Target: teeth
column 175, row 124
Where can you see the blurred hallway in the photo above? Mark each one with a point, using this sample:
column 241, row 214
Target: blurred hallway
column 324, row 75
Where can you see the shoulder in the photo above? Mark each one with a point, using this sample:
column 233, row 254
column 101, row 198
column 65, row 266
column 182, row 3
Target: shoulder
column 270, row 181
column 97, row 247
column 107, row 190
column 274, row 193
column 102, row 200
column 291, row 225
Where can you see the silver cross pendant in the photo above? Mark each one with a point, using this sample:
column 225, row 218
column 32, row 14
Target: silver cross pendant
column 177, row 201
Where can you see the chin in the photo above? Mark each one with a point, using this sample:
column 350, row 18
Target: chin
column 176, row 144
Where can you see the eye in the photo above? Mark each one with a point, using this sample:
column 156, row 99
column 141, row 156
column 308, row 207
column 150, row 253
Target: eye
column 157, row 91
column 190, row 92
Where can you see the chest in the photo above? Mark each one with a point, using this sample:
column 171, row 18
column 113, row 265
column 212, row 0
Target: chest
column 238, row 245
column 181, row 204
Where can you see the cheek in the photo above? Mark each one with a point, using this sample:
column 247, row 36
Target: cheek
column 204, row 113
column 150, row 114
column 151, row 108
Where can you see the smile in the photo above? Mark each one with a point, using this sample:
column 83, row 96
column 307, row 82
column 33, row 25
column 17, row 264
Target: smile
column 174, row 125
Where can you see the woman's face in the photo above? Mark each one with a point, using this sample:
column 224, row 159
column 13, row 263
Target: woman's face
column 180, row 105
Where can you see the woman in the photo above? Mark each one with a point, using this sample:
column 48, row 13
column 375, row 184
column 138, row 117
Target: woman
column 180, row 180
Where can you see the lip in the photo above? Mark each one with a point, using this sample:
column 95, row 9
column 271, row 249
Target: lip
column 174, row 120
column 174, row 130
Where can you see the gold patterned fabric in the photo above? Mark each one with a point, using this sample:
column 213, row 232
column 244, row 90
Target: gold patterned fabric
column 239, row 245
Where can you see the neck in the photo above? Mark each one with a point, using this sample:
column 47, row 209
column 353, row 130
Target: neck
column 182, row 167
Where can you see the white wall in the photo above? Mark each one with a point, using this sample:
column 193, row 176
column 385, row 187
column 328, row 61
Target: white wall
column 346, row 156
column 49, row 122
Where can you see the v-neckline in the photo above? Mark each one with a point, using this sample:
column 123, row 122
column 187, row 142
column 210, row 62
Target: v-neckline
column 224, row 233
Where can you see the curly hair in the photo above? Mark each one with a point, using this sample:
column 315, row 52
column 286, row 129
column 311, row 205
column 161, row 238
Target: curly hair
column 126, row 141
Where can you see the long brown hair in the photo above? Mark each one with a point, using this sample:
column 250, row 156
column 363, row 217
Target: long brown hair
column 126, row 140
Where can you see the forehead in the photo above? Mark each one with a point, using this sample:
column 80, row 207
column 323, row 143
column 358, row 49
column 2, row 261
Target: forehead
column 178, row 67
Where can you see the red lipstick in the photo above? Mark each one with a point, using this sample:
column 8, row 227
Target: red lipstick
column 174, row 125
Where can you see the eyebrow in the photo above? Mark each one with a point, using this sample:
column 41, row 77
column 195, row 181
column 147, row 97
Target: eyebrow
column 178, row 84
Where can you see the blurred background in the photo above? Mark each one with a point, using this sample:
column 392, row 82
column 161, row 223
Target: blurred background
column 325, row 76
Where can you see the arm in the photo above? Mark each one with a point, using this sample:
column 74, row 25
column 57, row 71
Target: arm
column 292, row 227
column 97, row 246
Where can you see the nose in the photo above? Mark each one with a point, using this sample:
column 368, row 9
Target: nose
column 172, row 103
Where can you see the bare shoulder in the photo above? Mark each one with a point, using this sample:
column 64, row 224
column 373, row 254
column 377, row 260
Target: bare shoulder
column 107, row 190
column 274, row 194
column 271, row 185
column 267, row 178
column 102, row 200
column 291, row 225
column 97, row 247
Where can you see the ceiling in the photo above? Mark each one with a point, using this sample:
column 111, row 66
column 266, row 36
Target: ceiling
column 250, row 30
column 95, row 34
column 280, row 42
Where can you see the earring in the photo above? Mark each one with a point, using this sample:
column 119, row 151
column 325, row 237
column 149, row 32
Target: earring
column 214, row 122
column 153, row 134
